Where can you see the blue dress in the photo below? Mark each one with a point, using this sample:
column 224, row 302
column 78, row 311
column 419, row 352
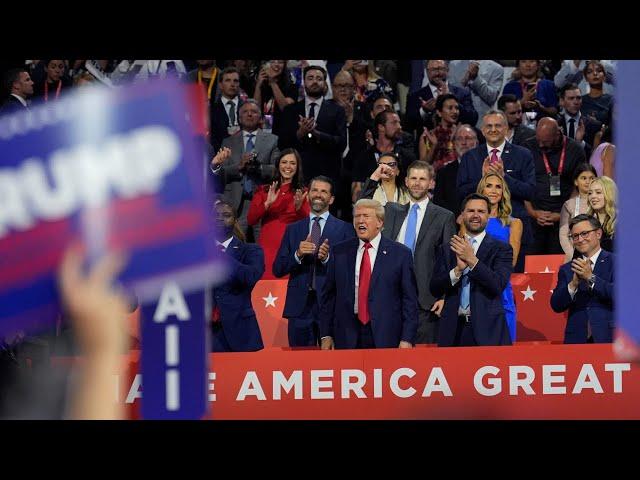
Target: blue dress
column 502, row 232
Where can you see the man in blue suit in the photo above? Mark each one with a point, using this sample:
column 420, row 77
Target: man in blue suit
column 472, row 272
column 370, row 297
column 303, row 255
column 421, row 104
column 585, row 286
column 234, row 326
column 512, row 162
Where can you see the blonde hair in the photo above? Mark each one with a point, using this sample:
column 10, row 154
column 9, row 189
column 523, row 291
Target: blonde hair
column 504, row 207
column 610, row 201
column 370, row 203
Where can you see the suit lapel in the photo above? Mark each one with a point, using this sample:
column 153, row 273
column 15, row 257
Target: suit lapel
column 351, row 268
column 397, row 222
column 235, row 248
column 381, row 262
column 485, row 248
column 429, row 216
column 602, row 265
column 329, row 228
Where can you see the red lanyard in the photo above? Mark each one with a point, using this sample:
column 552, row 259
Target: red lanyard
column 562, row 155
column 46, row 90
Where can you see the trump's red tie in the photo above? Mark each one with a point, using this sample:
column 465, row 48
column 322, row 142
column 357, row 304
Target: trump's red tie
column 363, row 285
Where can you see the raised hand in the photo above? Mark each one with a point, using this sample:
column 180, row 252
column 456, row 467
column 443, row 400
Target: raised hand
column 323, row 251
column 298, row 198
column 306, row 247
column 272, row 195
column 222, row 156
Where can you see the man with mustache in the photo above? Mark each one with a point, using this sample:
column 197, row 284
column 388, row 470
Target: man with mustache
column 555, row 157
column 472, row 271
column 303, row 255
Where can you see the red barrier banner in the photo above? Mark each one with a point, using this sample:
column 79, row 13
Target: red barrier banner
column 528, row 381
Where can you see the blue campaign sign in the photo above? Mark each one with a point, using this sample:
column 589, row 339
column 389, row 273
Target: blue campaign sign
column 114, row 169
column 174, row 356
column 627, row 143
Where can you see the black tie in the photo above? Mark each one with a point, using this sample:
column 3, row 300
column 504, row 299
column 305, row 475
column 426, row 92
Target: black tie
column 232, row 113
column 572, row 128
column 312, row 110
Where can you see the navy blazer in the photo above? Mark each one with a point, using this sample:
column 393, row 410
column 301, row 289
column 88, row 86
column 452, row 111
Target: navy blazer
column 415, row 121
column 321, row 155
column 393, row 299
column 488, row 280
column 300, row 273
column 219, row 122
column 233, row 297
column 592, row 306
column 519, row 170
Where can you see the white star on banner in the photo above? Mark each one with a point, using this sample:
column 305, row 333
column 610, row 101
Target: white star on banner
column 270, row 300
column 546, row 270
column 528, row 293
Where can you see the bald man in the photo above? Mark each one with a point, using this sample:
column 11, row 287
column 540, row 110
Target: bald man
column 555, row 157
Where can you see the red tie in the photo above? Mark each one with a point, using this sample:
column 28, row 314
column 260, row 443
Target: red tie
column 494, row 155
column 363, row 285
column 215, row 313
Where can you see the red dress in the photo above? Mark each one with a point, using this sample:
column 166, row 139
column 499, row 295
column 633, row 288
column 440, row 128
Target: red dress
column 444, row 152
column 274, row 221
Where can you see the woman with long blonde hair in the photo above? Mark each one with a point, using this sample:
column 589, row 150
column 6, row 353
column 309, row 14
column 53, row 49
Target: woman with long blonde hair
column 603, row 200
column 504, row 227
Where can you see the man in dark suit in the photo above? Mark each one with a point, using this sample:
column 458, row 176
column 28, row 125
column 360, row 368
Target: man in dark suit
column 517, row 134
column 249, row 162
column 421, row 105
column 303, row 255
column 472, row 272
column 585, row 286
column 512, row 162
column 234, row 326
column 369, row 295
column 423, row 227
column 316, row 127
column 19, row 86
column 224, row 112
column 574, row 125
column 445, row 193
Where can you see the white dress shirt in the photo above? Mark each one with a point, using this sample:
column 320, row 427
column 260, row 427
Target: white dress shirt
column 422, row 208
column 373, row 253
column 500, row 149
column 226, row 243
column 307, row 106
column 227, row 107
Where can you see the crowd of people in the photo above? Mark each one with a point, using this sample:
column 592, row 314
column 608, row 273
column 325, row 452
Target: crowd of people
column 443, row 174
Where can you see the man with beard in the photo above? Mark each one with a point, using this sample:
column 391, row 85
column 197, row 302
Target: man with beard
column 423, row 227
column 316, row 128
column 421, row 105
column 369, row 295
column 511, row 162
column 517, row 134
column 19, row 85
column 555, row 158
column 446, row 192
column 303, row 255
column 234, row 326
column 472, row 271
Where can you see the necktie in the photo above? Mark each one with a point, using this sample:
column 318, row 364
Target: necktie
column 315, row 238
column 412, row 221
column 215, row 313
column 312, row 110
column 572, row 128
column 248, row 183
column 232, row 113
column 363, row 285
column 465, row 294
column 494, row 156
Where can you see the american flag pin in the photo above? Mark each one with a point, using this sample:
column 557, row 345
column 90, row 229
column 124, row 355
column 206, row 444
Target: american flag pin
column 384, row 251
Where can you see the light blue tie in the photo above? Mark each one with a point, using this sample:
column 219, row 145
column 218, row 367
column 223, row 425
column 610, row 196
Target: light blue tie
column 410, row 233
column 248, row 183
column 465, row 294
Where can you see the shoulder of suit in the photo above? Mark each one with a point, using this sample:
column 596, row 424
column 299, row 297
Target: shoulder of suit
column 438, row 209
column 345, row 245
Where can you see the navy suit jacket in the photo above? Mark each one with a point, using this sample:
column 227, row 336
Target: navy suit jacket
column 488, row 280
column 591, row 127
column 233, row 297
column 592, row 306
column 392, row 300
column 321, row 155
column 519, row 169
column 335, row 231
column 219, row 122
column 415, row 122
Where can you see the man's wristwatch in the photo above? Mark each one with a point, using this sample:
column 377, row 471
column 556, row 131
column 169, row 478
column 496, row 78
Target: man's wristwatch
column 592, row 280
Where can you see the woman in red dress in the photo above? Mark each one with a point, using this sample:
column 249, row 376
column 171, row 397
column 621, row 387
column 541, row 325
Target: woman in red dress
column 277, row 205
column 436, row 146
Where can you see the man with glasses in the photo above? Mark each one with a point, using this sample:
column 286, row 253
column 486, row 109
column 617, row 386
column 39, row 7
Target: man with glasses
column 421, row 105
column 585, row 285
column 423, row 227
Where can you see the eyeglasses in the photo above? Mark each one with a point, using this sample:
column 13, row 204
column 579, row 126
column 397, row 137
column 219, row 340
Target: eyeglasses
column 342, row 85
column 581, row 235
column 390, row 164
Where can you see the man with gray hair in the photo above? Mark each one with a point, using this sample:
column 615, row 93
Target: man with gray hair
column 369, row 298
column 246, row 160
column 512, row 162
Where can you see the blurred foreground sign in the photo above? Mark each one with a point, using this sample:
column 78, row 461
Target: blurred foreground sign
column 113, row 169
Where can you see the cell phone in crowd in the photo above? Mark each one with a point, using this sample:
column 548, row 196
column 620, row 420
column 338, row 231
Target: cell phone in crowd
column 531, row 86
